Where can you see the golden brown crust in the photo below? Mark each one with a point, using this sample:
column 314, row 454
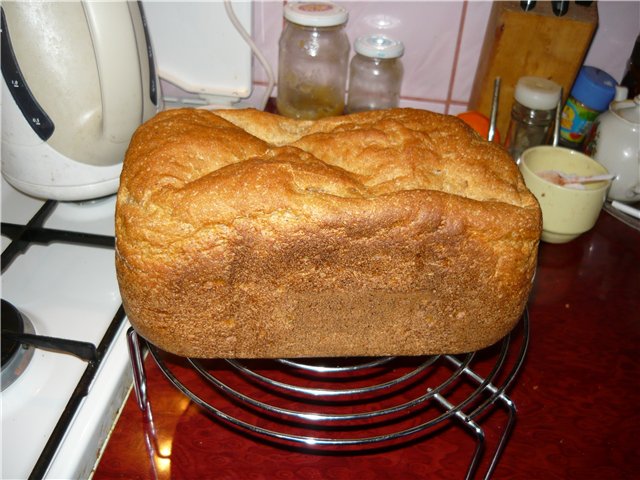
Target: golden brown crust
column 246, row 234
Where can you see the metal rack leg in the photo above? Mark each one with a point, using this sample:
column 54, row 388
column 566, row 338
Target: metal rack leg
column 511, row 407
column 475, row 430
column 507, row 403
column 139, row 376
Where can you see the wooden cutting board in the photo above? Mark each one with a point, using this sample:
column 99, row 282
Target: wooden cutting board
column 538, row 43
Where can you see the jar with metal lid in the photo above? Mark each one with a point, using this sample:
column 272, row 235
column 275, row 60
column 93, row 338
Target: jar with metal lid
column 313, row 60
column 375, row 73
column 532, row 114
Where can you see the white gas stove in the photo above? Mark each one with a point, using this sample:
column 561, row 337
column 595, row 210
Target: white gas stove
column 57, row 414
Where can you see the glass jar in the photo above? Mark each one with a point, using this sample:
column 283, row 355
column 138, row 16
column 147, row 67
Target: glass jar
column 375, row 74
column 313, row 61
column 532, row 114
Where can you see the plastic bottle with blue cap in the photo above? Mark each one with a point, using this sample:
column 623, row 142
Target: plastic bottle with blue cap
column 592, row 92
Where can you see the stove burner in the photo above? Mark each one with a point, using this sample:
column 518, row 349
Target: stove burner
column 12, row 321
column 15, row 357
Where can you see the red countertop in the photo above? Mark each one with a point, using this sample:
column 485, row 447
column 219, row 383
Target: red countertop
column 577, row 396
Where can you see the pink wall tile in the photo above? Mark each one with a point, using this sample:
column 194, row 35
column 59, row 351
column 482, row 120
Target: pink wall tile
column 267, row 26
column 429, row 41
column 438, row 107
column 443, row 40
column 473, row 31
column 619, row 25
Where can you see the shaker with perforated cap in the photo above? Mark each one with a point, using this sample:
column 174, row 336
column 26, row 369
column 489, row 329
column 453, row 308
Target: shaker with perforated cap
column 532, row 114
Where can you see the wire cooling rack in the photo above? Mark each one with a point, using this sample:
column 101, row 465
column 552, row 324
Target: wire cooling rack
column 350, row 402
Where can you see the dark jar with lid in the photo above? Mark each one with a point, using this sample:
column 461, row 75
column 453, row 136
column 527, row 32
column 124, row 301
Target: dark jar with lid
column 313, row 60
column 631, row 79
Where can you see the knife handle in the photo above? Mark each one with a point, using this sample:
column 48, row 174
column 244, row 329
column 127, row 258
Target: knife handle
column 527, row 5
column 559, row 7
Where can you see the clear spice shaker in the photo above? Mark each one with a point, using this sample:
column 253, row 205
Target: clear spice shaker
column 375, row 73
column 532, row 114
column 313, row 60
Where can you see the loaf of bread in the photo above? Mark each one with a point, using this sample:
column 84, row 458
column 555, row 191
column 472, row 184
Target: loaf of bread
column 243, row 234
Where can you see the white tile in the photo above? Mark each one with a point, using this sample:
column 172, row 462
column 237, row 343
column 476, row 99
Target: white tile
column 455, row 109
column 429, row 31
column 618, row 27
column 423, row 105
column 473, row 33
column 267, row 27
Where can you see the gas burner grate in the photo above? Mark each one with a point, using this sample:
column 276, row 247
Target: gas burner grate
column 33, row 232
column 350, row 403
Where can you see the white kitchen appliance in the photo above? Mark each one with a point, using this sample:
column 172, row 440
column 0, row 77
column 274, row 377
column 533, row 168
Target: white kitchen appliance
column 58, row 267
column 58, row 272
column 202, row 54
column 79, row 78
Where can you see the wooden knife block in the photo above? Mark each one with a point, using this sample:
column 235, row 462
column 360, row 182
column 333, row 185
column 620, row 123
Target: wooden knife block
column 538, row 43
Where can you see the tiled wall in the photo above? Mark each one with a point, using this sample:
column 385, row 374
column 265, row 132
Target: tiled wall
column 443, row 41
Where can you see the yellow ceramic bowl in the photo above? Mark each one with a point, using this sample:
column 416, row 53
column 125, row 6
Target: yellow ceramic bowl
column 566, row 212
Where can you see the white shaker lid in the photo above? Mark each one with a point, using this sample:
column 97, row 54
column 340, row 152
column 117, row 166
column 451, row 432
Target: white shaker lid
column 622, row 93
column 315, row 14
column 379, row 46
column 537, row 93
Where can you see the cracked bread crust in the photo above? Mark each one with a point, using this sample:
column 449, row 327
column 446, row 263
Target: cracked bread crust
column 243, row 234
